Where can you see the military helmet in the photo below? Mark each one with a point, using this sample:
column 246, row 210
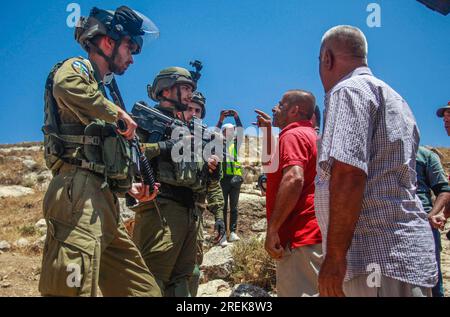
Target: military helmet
column 115, row 24
column 199, row 99
column 167, row 78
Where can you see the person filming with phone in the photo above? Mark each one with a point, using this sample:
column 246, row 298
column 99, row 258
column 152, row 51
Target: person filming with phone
column 232, row 173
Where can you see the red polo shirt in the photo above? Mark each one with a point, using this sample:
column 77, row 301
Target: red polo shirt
column 297, row 147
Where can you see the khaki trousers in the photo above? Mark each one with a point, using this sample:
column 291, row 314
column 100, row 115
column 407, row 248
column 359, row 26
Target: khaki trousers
column 298, row 270
column 87, row 245
column 388, row 287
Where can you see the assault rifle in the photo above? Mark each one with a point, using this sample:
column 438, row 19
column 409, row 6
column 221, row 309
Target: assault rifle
column 157, row 126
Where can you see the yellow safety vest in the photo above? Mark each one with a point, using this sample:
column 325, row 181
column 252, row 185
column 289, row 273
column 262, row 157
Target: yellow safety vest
column 234, row 167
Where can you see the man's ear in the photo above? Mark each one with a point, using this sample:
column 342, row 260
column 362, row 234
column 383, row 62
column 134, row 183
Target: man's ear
column 107, row 44
column 165, row 93
column 294, row 110
column 328, row 59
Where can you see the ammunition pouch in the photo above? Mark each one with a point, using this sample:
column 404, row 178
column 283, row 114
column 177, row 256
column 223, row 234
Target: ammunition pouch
column 178, row 174
column 96, row 147
column 53, row 151
column 112, row 151
column 99, row 149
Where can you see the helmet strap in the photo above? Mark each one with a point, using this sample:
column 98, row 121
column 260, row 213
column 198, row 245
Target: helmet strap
column 179, row 106
column 108, row 59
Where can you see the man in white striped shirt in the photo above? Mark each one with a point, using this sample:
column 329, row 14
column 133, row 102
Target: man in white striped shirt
column 376, row 235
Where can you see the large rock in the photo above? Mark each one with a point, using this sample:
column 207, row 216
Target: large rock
column 44, row 178
column 30, row 179
column 41, row 226
column 22, row 243
column 250, row 189
column 14, row 191
column 21, row 148
column 30, row 164
column 19, row 159
column 247, row 290
column 253, row 205
column 215, row 288
column 217, row 263
column 4, row 245
column 260, row 226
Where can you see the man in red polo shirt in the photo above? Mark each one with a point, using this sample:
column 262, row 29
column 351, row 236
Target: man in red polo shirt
column 293, row 235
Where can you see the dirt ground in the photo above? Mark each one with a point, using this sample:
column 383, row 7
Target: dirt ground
column 20, row 267
column 19, row 274
column 19, row 271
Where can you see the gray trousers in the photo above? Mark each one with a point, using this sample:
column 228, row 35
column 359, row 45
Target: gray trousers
column 389, row 287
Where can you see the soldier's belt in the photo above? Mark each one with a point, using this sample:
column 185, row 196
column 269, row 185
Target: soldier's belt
column 93, row 167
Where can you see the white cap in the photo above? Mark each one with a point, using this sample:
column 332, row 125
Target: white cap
column 227, row 126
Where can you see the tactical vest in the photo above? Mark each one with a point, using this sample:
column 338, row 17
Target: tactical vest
column 185, row 174
column 180, row 181
column 96, row 147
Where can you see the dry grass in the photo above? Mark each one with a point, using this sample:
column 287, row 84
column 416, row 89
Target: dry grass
column 18, row 217
column 12, row 169
column 21, row 144
column 252, row 264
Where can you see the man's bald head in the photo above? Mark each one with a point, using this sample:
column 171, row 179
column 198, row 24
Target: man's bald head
column 303, row 99
column 296, row 105
column 343, row 49
column 346, row 41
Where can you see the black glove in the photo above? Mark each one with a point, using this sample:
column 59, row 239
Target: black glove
column 220, row 227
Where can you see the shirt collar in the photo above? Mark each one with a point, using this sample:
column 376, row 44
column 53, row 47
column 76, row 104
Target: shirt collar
column 363, row 70
column 301, row 123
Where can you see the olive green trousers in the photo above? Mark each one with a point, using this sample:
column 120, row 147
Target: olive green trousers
column 167, row 241
column 87, row 246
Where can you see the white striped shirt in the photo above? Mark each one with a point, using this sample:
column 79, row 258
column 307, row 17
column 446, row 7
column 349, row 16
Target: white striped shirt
column 370, row 126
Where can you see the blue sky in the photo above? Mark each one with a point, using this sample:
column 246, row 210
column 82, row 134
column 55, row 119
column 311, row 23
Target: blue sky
column 252, row 50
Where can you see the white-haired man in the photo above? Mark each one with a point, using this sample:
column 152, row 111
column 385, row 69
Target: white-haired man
column 376, row 235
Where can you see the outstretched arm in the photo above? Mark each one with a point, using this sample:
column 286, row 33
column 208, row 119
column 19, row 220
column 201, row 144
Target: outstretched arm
column 223, row 114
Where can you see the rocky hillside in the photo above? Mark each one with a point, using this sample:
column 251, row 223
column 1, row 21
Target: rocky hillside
column 23, row 182
column 241, row 269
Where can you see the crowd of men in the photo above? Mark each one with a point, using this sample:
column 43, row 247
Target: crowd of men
column 337, row 213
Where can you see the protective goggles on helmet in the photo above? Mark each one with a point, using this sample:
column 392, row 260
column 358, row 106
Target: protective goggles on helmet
column 128, row 22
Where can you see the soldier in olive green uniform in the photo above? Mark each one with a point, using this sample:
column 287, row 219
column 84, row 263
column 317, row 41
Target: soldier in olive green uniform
column 166, row 230
column 86, row 243
column 213, row 191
